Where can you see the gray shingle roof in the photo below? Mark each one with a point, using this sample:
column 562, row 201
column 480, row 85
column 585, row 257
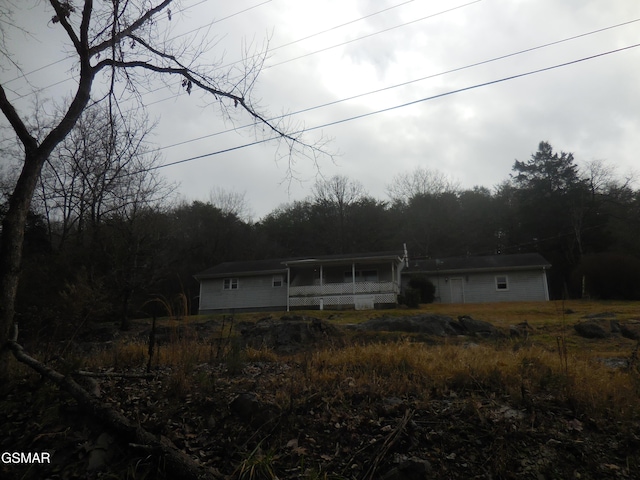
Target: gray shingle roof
column 519, row 261
column 244, row 268
column 280, row 265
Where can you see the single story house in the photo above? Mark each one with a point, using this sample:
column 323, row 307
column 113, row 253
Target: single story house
column 360, row 281
column 479, row 279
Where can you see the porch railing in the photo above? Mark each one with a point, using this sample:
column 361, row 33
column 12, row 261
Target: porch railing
column 358, row 288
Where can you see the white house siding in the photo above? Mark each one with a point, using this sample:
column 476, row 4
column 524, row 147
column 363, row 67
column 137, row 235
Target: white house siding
column 256, row 292
column 523, row 286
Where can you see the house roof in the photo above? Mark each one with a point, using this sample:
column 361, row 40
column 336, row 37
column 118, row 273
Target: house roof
column 245, row 268
column 341, row 258
column 519, row 261
column 264, row 267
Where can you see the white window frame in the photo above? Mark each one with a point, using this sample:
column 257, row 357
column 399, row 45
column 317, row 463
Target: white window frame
column 230, row 283
column 505, row 283
column 277, row 281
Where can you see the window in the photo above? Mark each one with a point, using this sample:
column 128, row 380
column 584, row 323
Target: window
column 277, row 281
column 230, row 284
column 502, row 283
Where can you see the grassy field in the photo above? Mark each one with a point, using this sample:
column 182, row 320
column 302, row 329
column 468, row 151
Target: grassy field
column 549, row 405
column 549, row 320
column 552, row 360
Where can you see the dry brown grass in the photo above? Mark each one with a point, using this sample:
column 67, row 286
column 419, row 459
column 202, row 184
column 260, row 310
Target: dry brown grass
column 520, row 370
column 407, row 368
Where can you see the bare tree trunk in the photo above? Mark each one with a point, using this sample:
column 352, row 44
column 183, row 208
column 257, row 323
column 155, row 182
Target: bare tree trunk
column 86, row 34
column 13, row 224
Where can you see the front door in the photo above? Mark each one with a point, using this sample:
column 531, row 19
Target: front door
column 457, row 290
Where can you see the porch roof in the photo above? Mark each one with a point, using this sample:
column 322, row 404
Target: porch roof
column 345, row 258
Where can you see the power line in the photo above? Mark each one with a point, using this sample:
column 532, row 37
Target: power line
column 284, row 45
column 328, row 30
column 395, row 107
column 353, row 97
column 221, row 19
column 372, row 34
column 302, row 39
column 171, row 39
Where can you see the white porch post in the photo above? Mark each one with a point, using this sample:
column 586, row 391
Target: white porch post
column 321, row 287
column 288, row 284
column 353, row 280
column 393, row 272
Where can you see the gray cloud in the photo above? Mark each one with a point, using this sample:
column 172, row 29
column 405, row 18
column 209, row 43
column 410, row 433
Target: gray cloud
column 589, row 109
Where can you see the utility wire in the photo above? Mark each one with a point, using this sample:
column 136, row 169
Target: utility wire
column 296, row 41
column 458, row 69
column 372, row 34
column 326, row 31
column 19, row 97
column 395, row 107
column 285, row 45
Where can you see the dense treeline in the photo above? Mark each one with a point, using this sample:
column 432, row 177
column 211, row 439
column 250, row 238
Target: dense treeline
column 105, row 235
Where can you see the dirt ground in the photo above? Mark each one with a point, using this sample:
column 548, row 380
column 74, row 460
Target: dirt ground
column 250, row 419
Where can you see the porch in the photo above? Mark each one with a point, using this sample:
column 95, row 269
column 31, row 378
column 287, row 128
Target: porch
column 360, row 282
column 360, row 295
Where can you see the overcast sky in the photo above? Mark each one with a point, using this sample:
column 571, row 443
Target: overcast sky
column 328, row 52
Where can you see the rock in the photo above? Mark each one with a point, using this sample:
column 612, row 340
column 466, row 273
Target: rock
column 600, row 315
column 101, row 452
column 392, row 405
column 590, row 330
column 430, row 324
column 288, row 334
column 630, row 331
column 520, row 330
column 477, row 327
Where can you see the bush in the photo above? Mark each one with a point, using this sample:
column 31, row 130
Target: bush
column 412, row 297
column 424, row 286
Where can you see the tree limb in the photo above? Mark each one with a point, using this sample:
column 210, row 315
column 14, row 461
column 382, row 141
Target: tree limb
column 129, row 30
column 63, row 10
column 187, row 74
column 16, row 122
column 178, row 464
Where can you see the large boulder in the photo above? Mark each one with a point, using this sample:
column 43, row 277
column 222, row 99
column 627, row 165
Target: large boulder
column 478, row 328
column 439, row 325
column 590, row 329
column 630, row 330
column 430, row 324
column 287, row 334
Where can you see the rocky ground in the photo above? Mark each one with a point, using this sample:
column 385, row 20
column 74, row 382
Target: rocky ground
column 237, row 423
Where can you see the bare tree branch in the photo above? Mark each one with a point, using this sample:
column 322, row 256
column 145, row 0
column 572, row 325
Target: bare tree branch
column 16, row 122
column 102, row 28
column 178, row 463
column 127, row 32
